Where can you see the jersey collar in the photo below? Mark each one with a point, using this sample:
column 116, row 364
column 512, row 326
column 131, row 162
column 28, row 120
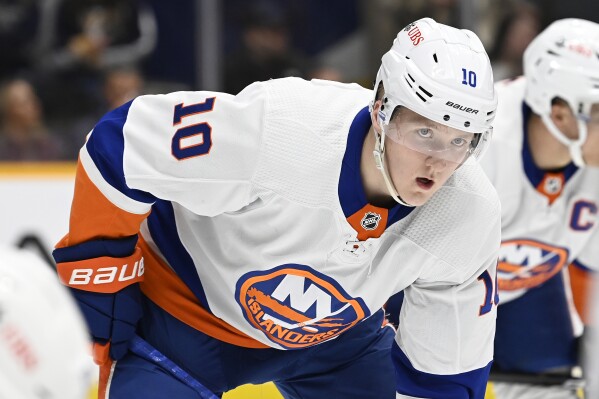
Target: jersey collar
column 368, row 220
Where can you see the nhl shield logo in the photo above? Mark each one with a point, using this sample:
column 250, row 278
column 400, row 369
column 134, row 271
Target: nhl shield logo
column 370, row 221
column 553, row 184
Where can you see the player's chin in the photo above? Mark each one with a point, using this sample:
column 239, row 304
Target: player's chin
column 592, row 160
column 417, row 198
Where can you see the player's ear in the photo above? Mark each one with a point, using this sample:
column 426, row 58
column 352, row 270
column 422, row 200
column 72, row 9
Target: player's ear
column 375, row 116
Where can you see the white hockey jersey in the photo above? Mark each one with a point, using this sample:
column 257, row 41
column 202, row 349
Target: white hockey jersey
column 549, row 221
column 259, row 232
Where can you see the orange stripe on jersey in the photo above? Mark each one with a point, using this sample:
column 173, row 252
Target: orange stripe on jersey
column 369, row 222
column 551, row 186
column 104, row 274
column 583, row 283
column 101, row 353
column 106, row 371
column 93, row 216
column 165, row 289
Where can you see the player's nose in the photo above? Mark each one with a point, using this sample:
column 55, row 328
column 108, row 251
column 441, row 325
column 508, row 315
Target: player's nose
column 437, row 164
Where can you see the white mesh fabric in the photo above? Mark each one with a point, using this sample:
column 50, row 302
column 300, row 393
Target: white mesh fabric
column 321, row 112
column 445, row 215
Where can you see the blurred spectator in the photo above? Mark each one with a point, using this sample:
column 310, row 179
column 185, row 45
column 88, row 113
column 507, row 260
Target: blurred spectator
column 23, row 133
column 514, row 33
column 18, row 28
column 558, row 9
column 326, row 73
column 86, row 38
column 266, row 51
column 121, row 85
column 384, row 18
column 358, row 54
column 102, row 33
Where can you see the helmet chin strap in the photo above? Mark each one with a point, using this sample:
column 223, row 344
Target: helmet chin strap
column 379, row 159
column 574, row 146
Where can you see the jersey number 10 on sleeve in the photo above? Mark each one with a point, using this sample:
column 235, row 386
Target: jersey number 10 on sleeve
column 491, row 294
column 193, row 140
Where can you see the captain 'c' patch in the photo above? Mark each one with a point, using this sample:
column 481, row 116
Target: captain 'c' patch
column 295, row 306
column 527, row 263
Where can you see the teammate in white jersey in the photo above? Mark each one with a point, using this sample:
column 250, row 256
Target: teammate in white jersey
column 44, row 345
column 256, row 237
column 544, row 163
column 591, row 354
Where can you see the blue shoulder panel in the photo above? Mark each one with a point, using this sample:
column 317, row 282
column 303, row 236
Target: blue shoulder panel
column 106, row 146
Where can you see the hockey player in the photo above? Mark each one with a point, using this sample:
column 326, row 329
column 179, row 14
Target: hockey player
column 591, row 354
column 255, row 238
column 544, row 164
column 44, row 344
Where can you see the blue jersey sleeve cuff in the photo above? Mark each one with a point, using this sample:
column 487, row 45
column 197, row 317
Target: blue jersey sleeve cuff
column 114, row 248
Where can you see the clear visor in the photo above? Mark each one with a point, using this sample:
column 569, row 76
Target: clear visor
column 590, row 114
column 435, row 140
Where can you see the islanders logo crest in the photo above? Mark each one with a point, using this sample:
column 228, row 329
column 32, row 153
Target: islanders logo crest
column 527, row 264
column 295, row 306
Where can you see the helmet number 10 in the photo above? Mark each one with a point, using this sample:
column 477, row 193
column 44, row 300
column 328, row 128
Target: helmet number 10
column 468, row 77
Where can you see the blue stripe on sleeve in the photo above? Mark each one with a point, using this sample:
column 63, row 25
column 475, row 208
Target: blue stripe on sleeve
column 411, row 382
column 163, row 228
column 115, row 248
column 106, row 147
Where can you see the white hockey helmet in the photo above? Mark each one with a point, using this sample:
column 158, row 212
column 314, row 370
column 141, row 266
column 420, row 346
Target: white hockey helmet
column 44, row 344
column 563, row 61
column 443, row 74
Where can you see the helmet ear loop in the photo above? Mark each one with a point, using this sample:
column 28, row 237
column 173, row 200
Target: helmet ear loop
column 379, row 159
column 379, row 138
column 574, row 146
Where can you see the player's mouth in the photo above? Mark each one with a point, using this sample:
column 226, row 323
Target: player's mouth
column 424, row 183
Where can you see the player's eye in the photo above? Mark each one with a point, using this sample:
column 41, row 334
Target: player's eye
column 425, row 132
column 459, row 142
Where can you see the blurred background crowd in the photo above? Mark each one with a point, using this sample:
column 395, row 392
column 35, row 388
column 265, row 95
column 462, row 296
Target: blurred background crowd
column 64, row 63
